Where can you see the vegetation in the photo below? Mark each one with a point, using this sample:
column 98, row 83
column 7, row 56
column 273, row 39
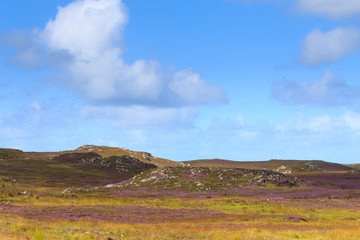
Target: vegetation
column 83, row 194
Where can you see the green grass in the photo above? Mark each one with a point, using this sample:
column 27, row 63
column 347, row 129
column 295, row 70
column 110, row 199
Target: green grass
column 248, row 218
column 294, row 165
column 269, row 222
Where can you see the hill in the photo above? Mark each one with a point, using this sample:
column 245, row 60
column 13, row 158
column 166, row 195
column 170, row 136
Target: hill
column 98, row 192
column 85, row 166
column 356, row 167
column 284, row 166
column 94, row 166
column 189, row 178
column 7, row 153
column 106, row 152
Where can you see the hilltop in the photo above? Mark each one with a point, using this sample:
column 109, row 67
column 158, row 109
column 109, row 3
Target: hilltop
column 87, row 165
column 104, row 151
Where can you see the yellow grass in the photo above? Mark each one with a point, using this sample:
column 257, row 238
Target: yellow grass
column 20, row 228
column 268, row 220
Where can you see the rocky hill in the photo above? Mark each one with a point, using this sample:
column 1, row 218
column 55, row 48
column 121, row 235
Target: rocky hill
column 115, row 151
column 98, row 166
column 104, row 152
column 283, row 166
column 189, row 178
column 80, row 167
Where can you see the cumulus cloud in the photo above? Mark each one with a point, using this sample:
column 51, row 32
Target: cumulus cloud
column 86, row 28
column 331, row 8
column 90, row 33
column 330, row 90
column 324, row 47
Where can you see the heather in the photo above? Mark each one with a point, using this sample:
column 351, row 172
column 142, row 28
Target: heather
column 92, row 194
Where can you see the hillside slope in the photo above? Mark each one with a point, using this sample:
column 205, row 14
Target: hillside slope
column 204, row 178
column 93, row 166
column 115, row 151
column 85, row 166
column 284, row 166
column 101, row 150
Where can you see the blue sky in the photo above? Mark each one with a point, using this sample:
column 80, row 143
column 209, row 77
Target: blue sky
column 236, row 79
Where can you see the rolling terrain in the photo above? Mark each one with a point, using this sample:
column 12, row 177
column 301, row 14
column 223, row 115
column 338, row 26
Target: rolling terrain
column 134, row 195
column 288, row 166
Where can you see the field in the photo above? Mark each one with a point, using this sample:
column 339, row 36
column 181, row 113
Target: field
column 94, row 196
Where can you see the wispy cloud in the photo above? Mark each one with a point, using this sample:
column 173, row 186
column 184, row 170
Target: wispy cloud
column 316, row 124
column 336, row 9
column 141, row 117
column 349, row 120
column 330, row 90
column 330, row 8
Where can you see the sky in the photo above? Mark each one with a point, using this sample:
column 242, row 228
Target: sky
column 246, row 80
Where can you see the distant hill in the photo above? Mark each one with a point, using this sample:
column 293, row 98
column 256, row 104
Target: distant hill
column 355, row 167
column 86, row 165
column 115, row 151
column 284, row 166
column 8, row 153
column 101, row 150
column 91, row 165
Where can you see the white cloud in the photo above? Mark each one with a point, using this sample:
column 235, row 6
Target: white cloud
column 86, row 28
column 85, row 42
column 35, row 106
column 352, row 120
column 316, row 124
column 90, row 31
column 331, row 8
column 137, row 136
column 240, row 120
column 330, row 90
column 319, row 123
column 191, row 89
column 255, row 1
column 109, row 78
column 29, row 122
column 141, row 116
column 323, row 47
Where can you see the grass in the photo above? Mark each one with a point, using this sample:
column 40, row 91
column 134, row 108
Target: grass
column 239, row 207
column 245, row 218
column 22, row 228
column 157, row 208
column 274, row 164
column 38, row 215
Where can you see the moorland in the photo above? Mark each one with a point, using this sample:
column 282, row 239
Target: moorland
column 98, row 192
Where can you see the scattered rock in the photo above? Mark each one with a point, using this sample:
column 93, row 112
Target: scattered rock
column 23, row 193
column 67, row 191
